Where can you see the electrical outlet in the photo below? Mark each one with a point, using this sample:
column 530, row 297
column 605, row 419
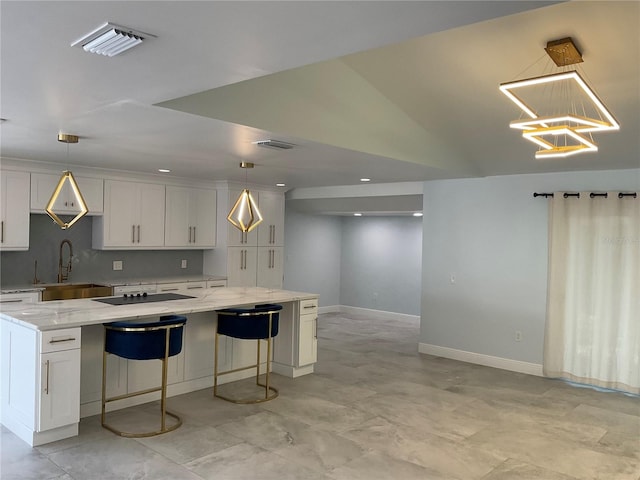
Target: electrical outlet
column 518, row 336
column 117, row 264
column 183, row 264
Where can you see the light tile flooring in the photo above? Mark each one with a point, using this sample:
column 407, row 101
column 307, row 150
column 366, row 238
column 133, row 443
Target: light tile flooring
column 374, row 409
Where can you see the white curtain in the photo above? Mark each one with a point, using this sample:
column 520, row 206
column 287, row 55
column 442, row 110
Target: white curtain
column 593, row 313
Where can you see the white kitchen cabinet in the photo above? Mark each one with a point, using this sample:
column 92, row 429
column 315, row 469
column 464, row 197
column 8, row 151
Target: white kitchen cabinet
column 199, row 344
column 14, row 210
column 270, row 267
column 91, row 372
column 235, row 237
column 190, row 217
column 271, row 230
column 241, row 266
column 307, row 338
column 133, row 217
column 43, row 185
column 20, row 297
column 216, row 283
column 296, row 346
column 40, row 382
column 184, row 288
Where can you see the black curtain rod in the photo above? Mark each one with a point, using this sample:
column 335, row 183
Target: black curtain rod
column 591, row 195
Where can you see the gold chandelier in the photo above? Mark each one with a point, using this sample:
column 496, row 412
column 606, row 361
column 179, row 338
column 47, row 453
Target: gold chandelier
column 567, row 110
column 67, row 177
column 245, row 214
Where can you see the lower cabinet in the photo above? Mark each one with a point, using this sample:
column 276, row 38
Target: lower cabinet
column 48, row 408
column 296, row 346
column 59, row 389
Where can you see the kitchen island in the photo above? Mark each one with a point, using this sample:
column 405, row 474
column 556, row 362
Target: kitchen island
column 51, row 354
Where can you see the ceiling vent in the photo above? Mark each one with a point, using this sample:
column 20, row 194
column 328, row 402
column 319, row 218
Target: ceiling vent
column 277, row 144
column 110, row 39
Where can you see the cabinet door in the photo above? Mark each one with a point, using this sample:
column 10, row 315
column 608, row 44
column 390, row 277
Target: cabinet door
column 203, row 218
column 59, row 389
column 177, row 232
column 150, row 225
column 234, row 236
column 271, row 230
column 308, row 341
column 43, row 184
column 91, row 373
column 270, row 267
column 121, row 211
column 14, row 210
column 241, row 267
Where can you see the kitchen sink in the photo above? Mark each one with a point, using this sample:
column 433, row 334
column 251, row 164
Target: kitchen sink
column 75, row 290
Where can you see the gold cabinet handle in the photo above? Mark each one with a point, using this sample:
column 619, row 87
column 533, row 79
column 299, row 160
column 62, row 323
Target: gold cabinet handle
column 138, row 233
column 61, row 340
column 194, row 234
column 2, row 231
column 46, row 385
column 133, row 234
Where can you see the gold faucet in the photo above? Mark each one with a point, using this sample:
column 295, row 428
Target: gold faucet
column 63, row 272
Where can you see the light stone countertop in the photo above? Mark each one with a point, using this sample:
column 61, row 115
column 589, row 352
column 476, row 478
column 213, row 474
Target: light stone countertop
column 59, row 314
column 115, row 283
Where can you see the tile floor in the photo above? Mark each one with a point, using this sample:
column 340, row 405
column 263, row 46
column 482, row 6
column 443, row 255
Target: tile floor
column 374, row 409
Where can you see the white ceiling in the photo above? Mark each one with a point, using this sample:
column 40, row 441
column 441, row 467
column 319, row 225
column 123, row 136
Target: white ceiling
column 394, row 91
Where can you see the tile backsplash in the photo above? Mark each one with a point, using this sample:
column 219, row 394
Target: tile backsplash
column 17, row 268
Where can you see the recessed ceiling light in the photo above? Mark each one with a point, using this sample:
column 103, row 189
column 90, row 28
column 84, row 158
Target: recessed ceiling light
column 281, row 184
column 357, row 214
column 417, row 214
column 365, row 179
column 164, row 170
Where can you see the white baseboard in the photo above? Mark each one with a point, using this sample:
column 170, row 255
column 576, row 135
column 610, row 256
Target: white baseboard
column 481, row 359
column 376, row 314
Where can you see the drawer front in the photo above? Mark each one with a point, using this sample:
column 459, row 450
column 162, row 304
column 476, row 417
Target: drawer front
column 144, row 288
column 20, row 297
column 308, row 306
column 216, row 283
column 58, row 340
column 181, row 287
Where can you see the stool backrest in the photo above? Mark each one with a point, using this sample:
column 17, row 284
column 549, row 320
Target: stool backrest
column 250, row 323
column 145, row 340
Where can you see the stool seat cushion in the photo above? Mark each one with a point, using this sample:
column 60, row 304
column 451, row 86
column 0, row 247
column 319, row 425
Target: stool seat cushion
column 148, row 343
column 249, row 323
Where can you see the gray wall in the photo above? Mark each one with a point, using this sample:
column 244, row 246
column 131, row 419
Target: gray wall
column 347, row 260
column 17, row 268
column 381, row 263
column 491, row 234
column 312, row 255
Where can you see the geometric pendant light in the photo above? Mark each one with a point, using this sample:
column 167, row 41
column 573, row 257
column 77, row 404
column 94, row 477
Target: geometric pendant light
column 67, row 177
column 562, row 109
column 245, row 214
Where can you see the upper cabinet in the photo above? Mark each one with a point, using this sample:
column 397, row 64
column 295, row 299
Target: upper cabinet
column 43, row 185
column 14, row 210
column 134, row 215
column 271, row 230
column 190, row 217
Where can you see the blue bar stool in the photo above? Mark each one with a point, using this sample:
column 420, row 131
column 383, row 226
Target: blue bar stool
column 143, row 340
column 258, row 323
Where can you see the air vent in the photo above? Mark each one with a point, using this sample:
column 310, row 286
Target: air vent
column 274, row 144
column 110, row 39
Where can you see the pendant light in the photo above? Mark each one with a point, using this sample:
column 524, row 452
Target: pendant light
column 245, row 215
column 67, row 176
column 560, row 110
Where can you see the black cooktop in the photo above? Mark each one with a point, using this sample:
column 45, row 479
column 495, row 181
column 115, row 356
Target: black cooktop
column 129, row 299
